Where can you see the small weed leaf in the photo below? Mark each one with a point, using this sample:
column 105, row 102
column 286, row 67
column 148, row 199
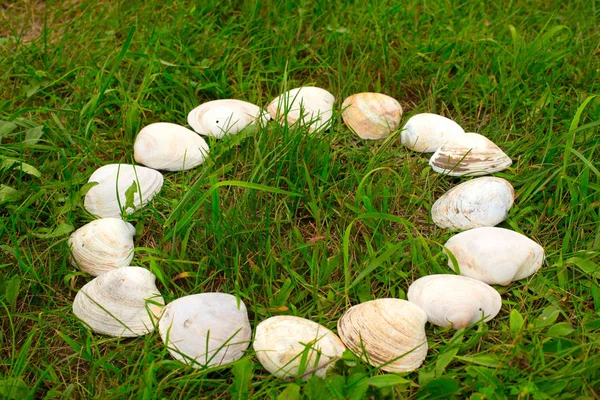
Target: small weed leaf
column 10, row 163
column 316, row 389
column 291, row 392
column 547, row 317
column 33, row 135
column 13, row 388
column 561, row 329
column 516, row 322
column 387, row 380
column 243, row 372
column 12, row 291
column 486, row 360
column 61, row 230
column 444, row 360
column 130, row 196
column 588, row 267
column 9, row 194
column 438, row 389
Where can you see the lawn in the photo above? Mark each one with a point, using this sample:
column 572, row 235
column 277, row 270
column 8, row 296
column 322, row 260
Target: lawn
column 293, row 222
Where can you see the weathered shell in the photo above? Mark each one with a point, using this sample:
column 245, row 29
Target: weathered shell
column 207, row 329
column 495, row 256
column 290, row 346
column 102, row 245
column 219, row 118
column 469, row 154
column 386, row 332
column 169, row 147
column 426, row 132
column 453, row 300
column 102, row 201
column 304, row 105
column 474, row 204
column 122, row 302
column 371, row 115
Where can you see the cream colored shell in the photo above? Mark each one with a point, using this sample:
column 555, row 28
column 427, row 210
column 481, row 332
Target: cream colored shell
column 224, row 117
column 169, row 147
column 427, row 132
column 371, row 115
column 102, row 200
column 102, row 245
column 288, row 346
column 307, row 105
column 207, row 329
column 453, row 300
column 469, row 154
column 495, row 256
column 387, row 333
column 122, row 302
column 473, row 204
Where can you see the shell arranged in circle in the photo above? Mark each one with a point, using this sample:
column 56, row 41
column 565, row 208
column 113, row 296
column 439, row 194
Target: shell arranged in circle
column 224, row 117
column 307, row 105
column 473, row 204
column 206, row 329
column 169, row 147
column 288, row 346
column 427, row 132
column 114, row 180
column 453, row 300
column 372, row 115
column 387, row 333
column 122, row 302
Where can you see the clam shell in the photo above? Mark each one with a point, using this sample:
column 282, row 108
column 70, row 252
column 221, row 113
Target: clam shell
column 169, row 147
column 219, row 118
column 371, row 115
column 474, row 204
column 284, row 344
column 102, row 245
column 101, row 200
column 495, row 256
column 469, row 154
column 426, row 132
column 387, row 333
column 122, row 302
column 453, row 300
column 207, row 329
column 304, row 105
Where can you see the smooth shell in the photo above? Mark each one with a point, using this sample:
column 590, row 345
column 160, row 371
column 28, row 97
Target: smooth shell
column 469, row 154
column 101, row 200
column 426, row 132
column 386, row 331
column 474, row 204
column 285, row 343
column 207, row 329
column 495, row 256
column 169, row 147
column 102, row 245
column 453, row 300
column 219, row 118
column 122, row 302
column 371, row 115
column 304, row 105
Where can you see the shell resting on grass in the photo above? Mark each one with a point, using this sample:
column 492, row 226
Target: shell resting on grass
column 426, row 132
column 224, row 117
column 288, row 346
column 307, row 105
column 371, row 115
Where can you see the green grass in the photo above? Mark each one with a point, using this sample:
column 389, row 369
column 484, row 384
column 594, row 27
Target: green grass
column 79, row 79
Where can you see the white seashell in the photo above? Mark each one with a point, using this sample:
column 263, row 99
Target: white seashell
column 387, row 333
column 307, row 105
column 474, row 204
column 495, row 256
column 371, row 115
column 102, row 245
column 285, row 343
column 469, row 154
column 101, row 200
column 169, row 147
column 122, row 302
column 426, row 132
column 219, row 118
column 207, row 329
column 453, row 300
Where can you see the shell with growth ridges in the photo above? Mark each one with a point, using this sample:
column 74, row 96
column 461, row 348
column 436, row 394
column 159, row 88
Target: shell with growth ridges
column 426, row 132
column 307, row 105
column 219, row 118
column 371, row 115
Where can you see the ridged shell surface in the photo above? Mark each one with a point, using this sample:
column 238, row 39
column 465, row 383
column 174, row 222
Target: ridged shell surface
column 102, row 201
column 495, row 256
column 372, row 115
column 102, row 245
column 224, row 117
column 288, row 346
column 391, row 332
column 427, row 132
column 469, row 154
column 206, row 329
column 304, row 105
column 122, row 302
column 454, row 301
column 169, row 147
column 473, row 204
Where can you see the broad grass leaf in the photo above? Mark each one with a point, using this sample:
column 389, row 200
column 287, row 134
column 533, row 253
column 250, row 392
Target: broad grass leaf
column 487, row 360
column 547, row 317
column 438, row 389
column 33, row 135
column 9, row 163
column 357, row 387
column 61, row 230
column 516, row 322
column 291, row 392
column 13, row 388
column 387, row 380
column 243, row 372
column 443, row 360
column 8, row 194
column 561, row 329
column 12, row 291
column 130, row 195
column 586, row 266
column 6, row 127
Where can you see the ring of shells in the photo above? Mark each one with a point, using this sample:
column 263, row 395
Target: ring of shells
column 211, row 329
